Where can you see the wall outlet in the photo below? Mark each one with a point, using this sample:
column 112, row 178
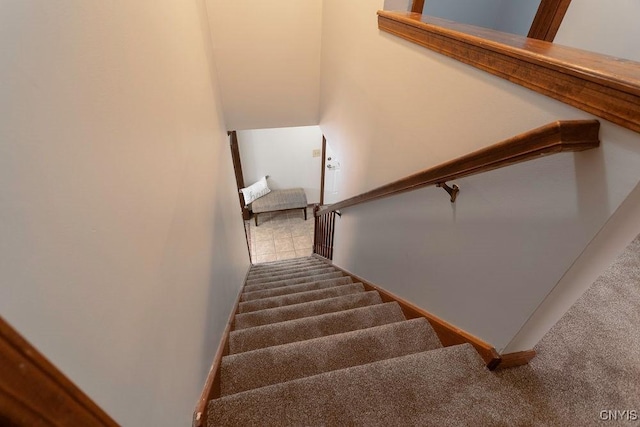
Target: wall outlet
column 317, row 153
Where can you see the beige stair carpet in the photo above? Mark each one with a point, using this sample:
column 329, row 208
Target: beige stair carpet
column 299, row 297
column 369, row 366
column 433, row 388
column 306, row 309
column 293, row 281
column 267, row 278
column 276, row 364
column 309, row 347
column 314, row 327
column 291, row 289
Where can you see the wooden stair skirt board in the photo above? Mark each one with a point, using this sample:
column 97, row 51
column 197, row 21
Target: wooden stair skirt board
column 33, row 392
column 449, row 335
column 211, row 387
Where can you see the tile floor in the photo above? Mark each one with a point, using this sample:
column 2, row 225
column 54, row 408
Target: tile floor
column 280, row 235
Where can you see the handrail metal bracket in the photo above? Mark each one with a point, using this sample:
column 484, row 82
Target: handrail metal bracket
column 453, row 191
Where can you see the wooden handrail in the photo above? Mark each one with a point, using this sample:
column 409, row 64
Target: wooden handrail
column 602, row 85
column 556, row 137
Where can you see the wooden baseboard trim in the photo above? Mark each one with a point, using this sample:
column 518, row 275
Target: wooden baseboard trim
column 211, row 389
column 34, row 392
column 519, row 358
column 449, row 335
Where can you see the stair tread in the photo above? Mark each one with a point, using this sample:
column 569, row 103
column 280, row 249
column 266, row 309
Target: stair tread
column 283, row 270
column 271, row 264
column 291, row 289
column 438, row 387
column 263, row 367
column 314, row 327
column 306, row 309
column 277, row 277
column 293, row 281
column 299, row 297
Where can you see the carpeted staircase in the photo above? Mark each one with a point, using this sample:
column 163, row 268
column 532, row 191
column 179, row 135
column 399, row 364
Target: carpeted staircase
column 310, row 347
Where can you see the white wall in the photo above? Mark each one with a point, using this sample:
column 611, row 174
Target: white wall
column 404, row 5
column 487, row 262
column 286, row 155
column 121, row 247
column 601, row 252
column 512, row 16
column 268, row 59
column 609, row 27
column 481, row 13
column 517, row 16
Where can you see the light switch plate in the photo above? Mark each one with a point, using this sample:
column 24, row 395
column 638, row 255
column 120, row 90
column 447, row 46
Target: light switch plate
column 317, row 153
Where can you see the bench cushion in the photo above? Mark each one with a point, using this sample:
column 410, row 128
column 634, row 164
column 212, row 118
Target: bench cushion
column 278, row 200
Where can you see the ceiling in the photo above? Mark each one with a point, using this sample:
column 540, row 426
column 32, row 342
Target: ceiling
column 267, row 57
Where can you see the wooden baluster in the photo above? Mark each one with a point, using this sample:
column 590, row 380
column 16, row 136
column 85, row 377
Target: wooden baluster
column 333, row 232
column 323, row 235
column 321, row 248
column 329, row 234
column 325, row 232
column 417, row 6
column 316, row 222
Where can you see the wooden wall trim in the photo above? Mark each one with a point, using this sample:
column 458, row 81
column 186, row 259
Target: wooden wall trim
column 602, row 85
column 548, row 18
column 557, row 137
column 211, row 389
column 519, row 358
column 34, row 392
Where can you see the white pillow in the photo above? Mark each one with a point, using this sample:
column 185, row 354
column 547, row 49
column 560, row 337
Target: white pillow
column 255, row 191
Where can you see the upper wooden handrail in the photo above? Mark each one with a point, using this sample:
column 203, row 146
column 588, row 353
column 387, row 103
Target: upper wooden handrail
column 556, row 137
column 605, row 86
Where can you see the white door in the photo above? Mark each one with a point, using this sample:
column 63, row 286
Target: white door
column 331, row 178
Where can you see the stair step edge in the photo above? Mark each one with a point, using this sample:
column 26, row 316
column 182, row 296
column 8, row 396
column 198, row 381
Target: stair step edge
column 276, row 278
column 306, row 309
column 313, row 327
column 293, row 281
column 407, row 390
column 264, row 367
column 298, row 297
column 290, row 289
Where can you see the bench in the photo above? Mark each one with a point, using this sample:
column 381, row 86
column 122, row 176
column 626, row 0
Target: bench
column 280, row 200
